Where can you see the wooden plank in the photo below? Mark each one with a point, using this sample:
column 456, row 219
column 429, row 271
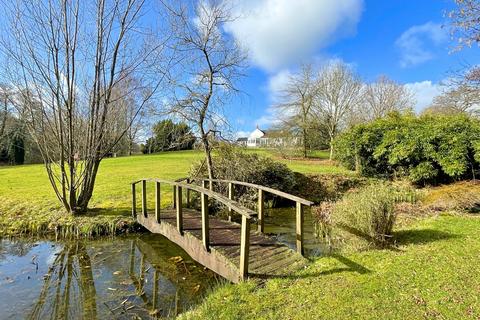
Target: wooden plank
column 261, row 211
column 134, row 201
column 179, row 208
column 144, row 198
column 244, row 248
column 157, row 201
column 205, row 222
column 299, row 228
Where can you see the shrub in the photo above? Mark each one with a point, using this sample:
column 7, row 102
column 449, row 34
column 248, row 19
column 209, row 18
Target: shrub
column 426, row 149
column 369, row 212
column 230, row 163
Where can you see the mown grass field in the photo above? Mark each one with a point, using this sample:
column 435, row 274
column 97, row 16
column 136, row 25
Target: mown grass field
column 432, row 274
column 27, row 201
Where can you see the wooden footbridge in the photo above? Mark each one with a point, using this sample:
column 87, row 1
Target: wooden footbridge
column 230, row 249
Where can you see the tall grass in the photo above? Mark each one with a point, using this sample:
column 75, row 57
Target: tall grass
column 370, row 212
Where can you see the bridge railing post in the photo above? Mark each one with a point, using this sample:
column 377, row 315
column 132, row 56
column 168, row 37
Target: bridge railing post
column 205, row 222
column 299, row 228
column 244, row 247
column 174, row 196
column 261, row 211
column 178, row 200
column 134, row 201
column 157, row 201
column 144, row 198
column 187, row 195
column 231, row 194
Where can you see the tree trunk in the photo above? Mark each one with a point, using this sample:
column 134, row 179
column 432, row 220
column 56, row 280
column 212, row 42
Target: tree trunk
column 208, row 155
column 304, row 143
column 331, row 147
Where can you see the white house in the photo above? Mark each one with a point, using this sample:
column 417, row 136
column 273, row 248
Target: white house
column 266, row 139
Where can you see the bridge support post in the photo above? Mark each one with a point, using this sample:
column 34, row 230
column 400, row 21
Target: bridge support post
column 144, row 198
column 205, row 222
column 157, row 201
column 299, row 228
column 231, row 192
column 179, row 209
column 261, row 211
column 134, row 201
column 244, row 247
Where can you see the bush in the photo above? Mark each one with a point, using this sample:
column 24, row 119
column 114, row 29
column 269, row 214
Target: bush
column 426, row 149
column 230, row 163
column 369, row 212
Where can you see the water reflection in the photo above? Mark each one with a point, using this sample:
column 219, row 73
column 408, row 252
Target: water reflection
column 146, row 277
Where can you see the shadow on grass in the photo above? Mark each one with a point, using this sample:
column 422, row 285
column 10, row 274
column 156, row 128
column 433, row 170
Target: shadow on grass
column 349, row 266
column 421, row 236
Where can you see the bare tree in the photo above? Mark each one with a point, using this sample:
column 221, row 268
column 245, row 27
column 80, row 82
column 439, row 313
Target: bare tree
column 209, row 64
column 339, row 92
column 296, row 105
column 465, row 22
column 4, row 98
column 384, row 96
column 461, row 99
column 65, row 60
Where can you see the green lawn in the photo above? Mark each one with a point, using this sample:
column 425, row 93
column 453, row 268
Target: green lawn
column 434, row 274
column 27, row 201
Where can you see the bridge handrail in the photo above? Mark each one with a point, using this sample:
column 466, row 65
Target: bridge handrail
column 264, row 188
column 205, row 193
column 215, row 195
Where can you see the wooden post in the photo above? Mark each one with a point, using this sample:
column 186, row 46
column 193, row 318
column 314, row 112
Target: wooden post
column 261, row 212
column 204, row 184
column 244, row 247
column 144, row 198
column 205, row 227
column 134, row 201
column 230, row 196
column 179, row 209
column 157, row 201
column 174, row 197
column 299, row 228
column 187, row 205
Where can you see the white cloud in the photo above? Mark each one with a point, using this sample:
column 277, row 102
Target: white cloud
column 278, row 33
column 424, row 92
column 415, row 42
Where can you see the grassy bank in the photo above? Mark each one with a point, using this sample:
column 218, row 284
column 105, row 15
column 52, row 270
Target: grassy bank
column 28, row 204
column 432, row 274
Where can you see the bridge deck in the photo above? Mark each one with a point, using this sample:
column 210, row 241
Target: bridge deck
column 267, row 257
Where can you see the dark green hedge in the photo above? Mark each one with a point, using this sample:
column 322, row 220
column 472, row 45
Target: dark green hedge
column 426, row 149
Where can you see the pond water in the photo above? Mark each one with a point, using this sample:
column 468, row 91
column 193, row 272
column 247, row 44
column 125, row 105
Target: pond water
column 144, row 276
column 123, row 278
column 280, row 223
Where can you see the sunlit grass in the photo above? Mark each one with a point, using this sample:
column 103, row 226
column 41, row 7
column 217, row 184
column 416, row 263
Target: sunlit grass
column 27, row 200
column 433, row 274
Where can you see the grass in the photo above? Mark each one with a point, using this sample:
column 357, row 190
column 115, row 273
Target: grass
column 28, row 204
column 433, row 274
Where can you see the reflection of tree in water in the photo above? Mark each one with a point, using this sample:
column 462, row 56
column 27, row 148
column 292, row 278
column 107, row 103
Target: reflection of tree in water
column 68, row 290
column 16, row 248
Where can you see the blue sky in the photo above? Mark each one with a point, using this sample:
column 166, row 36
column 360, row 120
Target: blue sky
column 407, row 40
